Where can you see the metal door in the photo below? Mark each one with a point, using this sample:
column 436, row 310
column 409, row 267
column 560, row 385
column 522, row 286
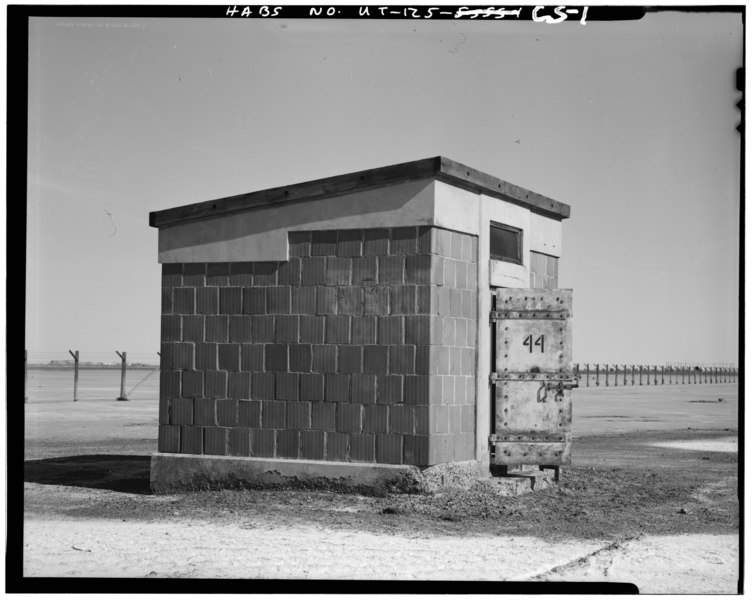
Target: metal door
column 533, row 378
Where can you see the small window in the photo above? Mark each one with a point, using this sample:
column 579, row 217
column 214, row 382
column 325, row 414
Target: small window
column 505, row 243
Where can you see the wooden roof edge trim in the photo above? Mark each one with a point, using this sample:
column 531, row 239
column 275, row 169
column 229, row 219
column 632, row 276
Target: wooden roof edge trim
column 440, row 167
column 318, row 188
column 478, row 181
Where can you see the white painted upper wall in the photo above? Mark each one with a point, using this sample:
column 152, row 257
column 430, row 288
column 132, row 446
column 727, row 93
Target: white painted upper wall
column 456, row 208
column 261, row 234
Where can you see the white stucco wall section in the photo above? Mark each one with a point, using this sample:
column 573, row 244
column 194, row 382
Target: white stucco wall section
column 262, row 234
column 546, row 235
column 456, row 208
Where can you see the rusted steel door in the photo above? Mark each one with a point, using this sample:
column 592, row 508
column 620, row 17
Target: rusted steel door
column 533, row 378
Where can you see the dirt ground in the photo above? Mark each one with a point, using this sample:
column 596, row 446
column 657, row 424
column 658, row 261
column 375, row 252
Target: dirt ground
column 664, row 516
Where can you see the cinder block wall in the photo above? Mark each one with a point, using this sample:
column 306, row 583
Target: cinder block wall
column 361, row 347
column 543, row 271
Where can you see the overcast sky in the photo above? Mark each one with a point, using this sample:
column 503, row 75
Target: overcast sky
column 631, row 123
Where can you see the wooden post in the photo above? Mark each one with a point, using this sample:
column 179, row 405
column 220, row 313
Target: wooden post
column 624, row 375
column 655, row 370
column 607, row 375
column 597, row 376
column 641, row 375
column 587, row 374
column 75, row 375
column 26, row 376
column 616, row 375
column 633, row 379
column 662, row 374
column 122, row 376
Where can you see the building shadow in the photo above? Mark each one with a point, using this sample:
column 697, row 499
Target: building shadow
column 119, row 473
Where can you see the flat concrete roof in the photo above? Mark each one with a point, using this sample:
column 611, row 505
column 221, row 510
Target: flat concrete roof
column 438, row 167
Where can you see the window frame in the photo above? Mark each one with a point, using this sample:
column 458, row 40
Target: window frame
column 520, row 248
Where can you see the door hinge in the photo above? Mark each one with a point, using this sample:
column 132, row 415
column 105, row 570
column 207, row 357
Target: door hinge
column 533, row 437
column 562, row 379
column 497, row 315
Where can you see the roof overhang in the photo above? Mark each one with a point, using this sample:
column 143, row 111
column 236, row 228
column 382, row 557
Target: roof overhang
column 439, row 167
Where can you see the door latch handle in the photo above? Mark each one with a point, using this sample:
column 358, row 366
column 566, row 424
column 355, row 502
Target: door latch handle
column 562, row 385
column 559, row 387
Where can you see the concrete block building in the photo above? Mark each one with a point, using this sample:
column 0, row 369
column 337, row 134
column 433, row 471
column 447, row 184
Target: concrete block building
column 341, row 325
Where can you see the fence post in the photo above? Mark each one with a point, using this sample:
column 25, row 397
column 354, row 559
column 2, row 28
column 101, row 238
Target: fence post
column 75, row 375
column 641, row 375
column 26, row 376
column 662, row 374
column 624, row 375
column 633, row 378
column 655, row 371
column 122, row 376
column 607, row 375
column 597, row 376
column 587, row 374
column 616, row 375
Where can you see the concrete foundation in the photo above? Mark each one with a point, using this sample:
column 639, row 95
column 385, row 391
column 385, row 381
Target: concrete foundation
column 172, row 473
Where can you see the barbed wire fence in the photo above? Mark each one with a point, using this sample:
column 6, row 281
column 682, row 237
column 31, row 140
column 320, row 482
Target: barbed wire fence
column 670, row 373
column 54, row 373
column 63, row 371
